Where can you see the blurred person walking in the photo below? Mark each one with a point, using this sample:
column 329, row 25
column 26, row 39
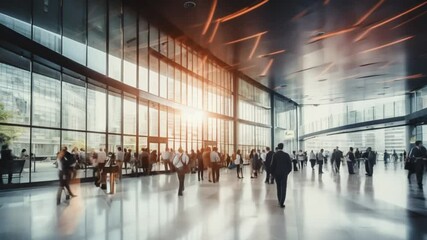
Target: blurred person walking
column 281, row 166
column 181, row 162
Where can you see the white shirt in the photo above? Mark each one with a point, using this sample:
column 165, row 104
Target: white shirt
column 215, row 157
column 120, row 156
column 102, row 156
column 300, row 156
column 166, row 155
column 59, row 164
column 177, row 161
column 263, row 156
column 237, row 160
column 320, row 156
column 312, row 156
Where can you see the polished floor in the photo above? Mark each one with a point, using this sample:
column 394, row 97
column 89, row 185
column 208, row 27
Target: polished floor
column 330, row 206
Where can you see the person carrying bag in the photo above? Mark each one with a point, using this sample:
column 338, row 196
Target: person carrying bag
column 181, row 164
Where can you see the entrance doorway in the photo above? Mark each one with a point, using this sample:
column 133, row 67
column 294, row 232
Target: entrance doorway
column 159, row 144
column 210, row 144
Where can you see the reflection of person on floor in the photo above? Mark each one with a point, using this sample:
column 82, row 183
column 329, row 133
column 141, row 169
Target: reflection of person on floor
column 281, row 166
column 64, row 159
column 6, row 163
column 180, row 161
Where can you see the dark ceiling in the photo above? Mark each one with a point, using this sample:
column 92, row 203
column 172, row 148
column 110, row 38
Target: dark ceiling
column 334, row 50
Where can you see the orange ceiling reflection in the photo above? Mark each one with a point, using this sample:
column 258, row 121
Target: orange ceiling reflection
column 388, row 20
column 387, row 44
column 210, row 16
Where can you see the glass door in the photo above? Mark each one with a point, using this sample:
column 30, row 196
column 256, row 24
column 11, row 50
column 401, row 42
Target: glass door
column 159, row 145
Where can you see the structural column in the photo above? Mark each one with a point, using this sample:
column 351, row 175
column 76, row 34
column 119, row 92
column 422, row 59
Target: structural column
column 235, row 109
column 272, row 121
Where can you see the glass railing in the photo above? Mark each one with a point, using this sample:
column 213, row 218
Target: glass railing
column 379, row 111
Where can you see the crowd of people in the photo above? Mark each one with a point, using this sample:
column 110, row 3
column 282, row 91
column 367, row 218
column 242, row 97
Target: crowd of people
column 276, row 164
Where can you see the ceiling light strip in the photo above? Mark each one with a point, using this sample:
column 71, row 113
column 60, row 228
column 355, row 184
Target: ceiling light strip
column 415, row 76
column 267, row 68
column 210, row 16
column 246, row 38
column 214, row 31
column 388, row 20
column 255, row 46
column 332, row 34
column 242, row 11
column 387, row 44
column 272, row 53
column 409, row 20
column 366, row 15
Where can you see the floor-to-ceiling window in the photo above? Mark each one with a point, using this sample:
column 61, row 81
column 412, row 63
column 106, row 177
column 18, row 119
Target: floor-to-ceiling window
column 254, row 118
column 47, row 106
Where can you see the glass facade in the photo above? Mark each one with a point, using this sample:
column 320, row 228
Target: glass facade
column 317, row 118
column 46, row 106
column 285, row 124
column 154, row 91
column 254, row 114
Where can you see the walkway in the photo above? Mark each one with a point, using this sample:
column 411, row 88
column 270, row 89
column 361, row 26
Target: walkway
column 317, row 207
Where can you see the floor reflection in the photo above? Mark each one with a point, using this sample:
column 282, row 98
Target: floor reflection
column 325, row 206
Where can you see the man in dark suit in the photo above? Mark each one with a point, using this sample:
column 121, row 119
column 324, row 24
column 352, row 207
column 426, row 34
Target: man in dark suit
column 417, row 156
column 281, row 166
column 269, row 177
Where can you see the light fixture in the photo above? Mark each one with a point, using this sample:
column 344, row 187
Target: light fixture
column 189, row 4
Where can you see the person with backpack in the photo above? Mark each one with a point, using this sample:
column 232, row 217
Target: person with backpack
column 181, row 162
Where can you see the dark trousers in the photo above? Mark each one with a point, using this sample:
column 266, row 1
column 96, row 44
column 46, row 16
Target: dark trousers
column 313, row 162
column 295, row 165
column 64, row 182
column 200, row 169
column 215, row 172
column 217, row 168
column 239, row 171
column 350, row 167
column 369, row 167
column 181, row 177
column 9, row 177
column 337, row 165
column 281, row 184
column 269, row 177
column 301, row 163
column 166, row 163
column 419, row 171
column 320, row 167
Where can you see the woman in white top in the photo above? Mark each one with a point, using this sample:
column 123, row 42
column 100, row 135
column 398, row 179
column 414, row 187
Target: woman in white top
column 238, row 161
